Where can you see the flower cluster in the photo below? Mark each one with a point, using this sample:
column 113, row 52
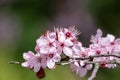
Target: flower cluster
column 105, row 46
column 62, row 47
column 50, row 46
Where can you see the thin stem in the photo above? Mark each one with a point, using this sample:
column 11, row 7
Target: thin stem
column 103, row 55
column 14, row 62
column 67, row 60
column 95, row 70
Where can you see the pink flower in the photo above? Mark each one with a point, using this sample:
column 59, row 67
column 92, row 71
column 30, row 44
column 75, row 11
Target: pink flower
column 52, row 58
column 46, row 43
column 79, row 51
column 65, row 42
column 106, row 44
column 96, row 39
column 104, row 60
column 33, row 61
column 80, row 70
column 97, row 49
column 71, row 32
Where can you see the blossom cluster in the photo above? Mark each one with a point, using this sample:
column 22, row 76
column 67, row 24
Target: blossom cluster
column 50, row 46
column 53, row 45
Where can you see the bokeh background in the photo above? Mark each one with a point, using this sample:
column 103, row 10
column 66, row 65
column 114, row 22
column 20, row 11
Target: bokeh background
column 23, row 21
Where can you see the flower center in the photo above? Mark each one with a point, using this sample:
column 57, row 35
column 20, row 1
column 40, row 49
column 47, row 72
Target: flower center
column 112, row 43
column 68, row 34
column 39, row 60
column 62, row 44
column 50, row 44
column 98, row 52
column 51, row 55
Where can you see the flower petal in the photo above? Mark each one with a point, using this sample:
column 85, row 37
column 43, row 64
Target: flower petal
column 68, row 51
column 68, row 42
column 51, row 36
column 61, row 36
column 42, row 41
column 82, row 72
column 37, row 67
column 44, row 49
column 28, row 55
column 110, row 37
column 50, row 64
column 25, row 64
column 89, row 67
column 117, row 41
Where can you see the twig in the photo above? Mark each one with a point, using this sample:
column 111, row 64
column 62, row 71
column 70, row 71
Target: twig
column 68, row 60
column 95, row 70
column 14, row 62
column 103, row 55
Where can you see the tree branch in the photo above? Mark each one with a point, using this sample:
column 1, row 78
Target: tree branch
column 14, row 62
column 67, row 60
column 103, row 55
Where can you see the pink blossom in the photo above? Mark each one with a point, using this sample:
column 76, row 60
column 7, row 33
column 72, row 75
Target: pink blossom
column 52, row 58
column 52, row 46
column 79, row 50
column 71, row 32
column 80, row 70
column 65, row 41
column 97, row 37
column 46, row 43
column 104, row 45
column 33, row 61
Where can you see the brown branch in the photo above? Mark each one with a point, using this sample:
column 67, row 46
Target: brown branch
column 91, row 57
column 66, row 60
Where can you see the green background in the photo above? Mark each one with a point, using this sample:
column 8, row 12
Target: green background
column 32, row 16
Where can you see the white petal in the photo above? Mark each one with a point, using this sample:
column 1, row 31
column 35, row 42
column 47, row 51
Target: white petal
column 50, row 64
column 97, row 37
column 59, row 51
column 76, row 48
column 44, row 49
column 76, row 63
column 82, row 72
column 61, row 36
column 41, row 42
column 89, row 67
column 25, row 64
column 111, row 37
column 28, row 55
column 117, row 41
column 68, row 42
column 57, row 57
column 51, row 36
column 68, row 51
column 37, row 67
column 82, row 63
column 52, row 50
column 43, row 63
column 105, row 41
column 99, row 33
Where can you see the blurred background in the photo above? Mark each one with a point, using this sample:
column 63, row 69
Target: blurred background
column 23, row 21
